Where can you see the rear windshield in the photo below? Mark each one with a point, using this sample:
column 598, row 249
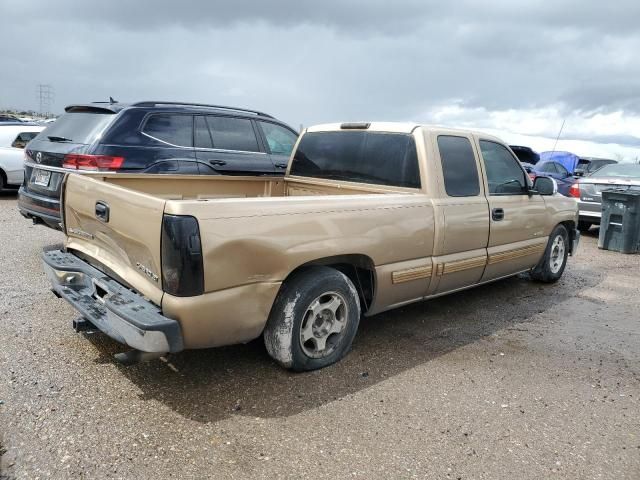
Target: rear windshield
column 629, row 170
column 79, row 127
column 358, row 156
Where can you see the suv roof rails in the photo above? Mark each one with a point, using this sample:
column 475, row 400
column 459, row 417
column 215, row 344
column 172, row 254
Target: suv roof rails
column 187, row 104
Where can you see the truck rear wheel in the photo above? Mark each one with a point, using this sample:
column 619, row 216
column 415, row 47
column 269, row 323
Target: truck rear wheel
column 313, row 320
column 554, row 260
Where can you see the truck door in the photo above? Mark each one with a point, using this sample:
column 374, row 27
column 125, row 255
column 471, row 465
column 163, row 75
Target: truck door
column 516, row 236
column 462, row 211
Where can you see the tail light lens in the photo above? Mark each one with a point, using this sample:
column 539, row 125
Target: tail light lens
column 574, row 191
column 97, row 163
column 182, row 270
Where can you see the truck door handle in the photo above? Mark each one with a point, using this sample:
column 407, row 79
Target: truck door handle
column 102, row 211
column 218, row 162
column 281, row 165
column 497, row 214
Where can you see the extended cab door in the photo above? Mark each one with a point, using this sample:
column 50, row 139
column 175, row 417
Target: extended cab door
column 462, row 213
column 516, row 234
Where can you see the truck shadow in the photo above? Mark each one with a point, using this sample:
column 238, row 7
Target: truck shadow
column 209, row 385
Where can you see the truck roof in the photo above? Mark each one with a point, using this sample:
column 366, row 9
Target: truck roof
column 395, row 127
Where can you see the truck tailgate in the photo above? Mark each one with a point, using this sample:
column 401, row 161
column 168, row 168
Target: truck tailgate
column 117, row 230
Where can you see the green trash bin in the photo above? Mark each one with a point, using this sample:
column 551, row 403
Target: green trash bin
column 620, row 222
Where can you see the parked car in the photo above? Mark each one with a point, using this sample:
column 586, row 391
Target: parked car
column 525, row 154
column 587, row 165
column 588, row 190
column 567, row 159
column 8, row 118
column 150, row 137
column 13, row 138
column 555, row 170
column 370, row 216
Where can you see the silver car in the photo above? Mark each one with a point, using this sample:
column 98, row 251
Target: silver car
column 588, row 190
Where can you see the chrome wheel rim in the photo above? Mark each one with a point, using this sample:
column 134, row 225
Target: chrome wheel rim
column 323, row 325
column 557, row 254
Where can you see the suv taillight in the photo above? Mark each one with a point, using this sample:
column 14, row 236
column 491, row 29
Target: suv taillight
column 98, row 163
column 574, row 191
column 182, row 270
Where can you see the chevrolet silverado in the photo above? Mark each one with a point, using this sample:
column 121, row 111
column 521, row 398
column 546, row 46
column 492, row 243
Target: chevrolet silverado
column 369, row 217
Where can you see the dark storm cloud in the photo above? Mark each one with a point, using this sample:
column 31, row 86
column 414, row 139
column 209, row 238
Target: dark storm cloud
column 310, row 62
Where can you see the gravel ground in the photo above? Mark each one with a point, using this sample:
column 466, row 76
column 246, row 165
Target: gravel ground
column 510, row 380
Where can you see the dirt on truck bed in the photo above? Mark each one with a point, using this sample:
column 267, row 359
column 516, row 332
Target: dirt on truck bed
column 510, row 380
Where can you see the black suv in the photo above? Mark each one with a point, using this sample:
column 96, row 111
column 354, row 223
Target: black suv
column 149, row 137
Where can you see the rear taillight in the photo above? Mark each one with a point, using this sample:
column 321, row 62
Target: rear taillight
column 98, row 163
column 574, row 191
column 182, row 270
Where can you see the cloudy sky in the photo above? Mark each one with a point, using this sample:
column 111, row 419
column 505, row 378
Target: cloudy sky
column 518, row 68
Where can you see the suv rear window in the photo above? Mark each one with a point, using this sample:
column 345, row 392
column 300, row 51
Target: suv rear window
column 358, row 156
column 79, row 127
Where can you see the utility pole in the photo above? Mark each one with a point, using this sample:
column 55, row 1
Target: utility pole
column 45, row 95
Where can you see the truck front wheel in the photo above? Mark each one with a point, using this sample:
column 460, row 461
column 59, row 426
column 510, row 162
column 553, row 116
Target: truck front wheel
column 313, row 320
column 554, row 260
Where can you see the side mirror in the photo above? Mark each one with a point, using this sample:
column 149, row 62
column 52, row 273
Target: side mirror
column 545, row 186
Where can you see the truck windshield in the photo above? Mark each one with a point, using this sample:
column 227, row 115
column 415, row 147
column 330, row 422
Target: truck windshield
column 358, row 156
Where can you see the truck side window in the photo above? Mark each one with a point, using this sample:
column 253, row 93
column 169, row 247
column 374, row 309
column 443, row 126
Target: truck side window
column 458, row 166
column 504, row 173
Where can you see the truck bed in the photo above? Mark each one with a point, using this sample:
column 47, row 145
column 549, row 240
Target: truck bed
column 199, row 187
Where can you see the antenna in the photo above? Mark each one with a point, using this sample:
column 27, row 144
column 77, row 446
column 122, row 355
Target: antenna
column 558, row 137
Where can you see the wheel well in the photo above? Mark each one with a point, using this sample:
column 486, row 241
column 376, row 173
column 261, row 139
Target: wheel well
column 358, row 268
column 3, row 176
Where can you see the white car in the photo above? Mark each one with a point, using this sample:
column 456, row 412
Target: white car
column 13, row 138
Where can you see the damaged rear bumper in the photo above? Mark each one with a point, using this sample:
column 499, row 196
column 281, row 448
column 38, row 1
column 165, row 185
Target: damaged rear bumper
column 122, row 314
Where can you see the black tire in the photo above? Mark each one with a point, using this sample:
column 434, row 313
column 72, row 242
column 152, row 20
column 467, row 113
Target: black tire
column 2, row 181
column 554, row 260
column 584, row 226
column 294, row 308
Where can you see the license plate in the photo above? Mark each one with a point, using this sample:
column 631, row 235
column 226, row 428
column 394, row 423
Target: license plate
column 41, row 177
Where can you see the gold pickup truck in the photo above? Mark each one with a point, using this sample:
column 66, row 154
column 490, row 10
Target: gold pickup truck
column 369, row 217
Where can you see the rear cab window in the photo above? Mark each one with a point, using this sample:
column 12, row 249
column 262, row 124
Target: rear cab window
column 377, row 158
